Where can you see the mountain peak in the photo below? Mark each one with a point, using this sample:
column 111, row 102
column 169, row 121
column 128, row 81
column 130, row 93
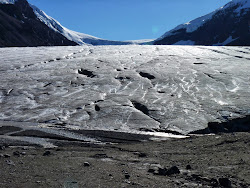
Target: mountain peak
column 240, row 1
column 243, row 3
column 20, row 27
column 79, row 38
column 228, row 25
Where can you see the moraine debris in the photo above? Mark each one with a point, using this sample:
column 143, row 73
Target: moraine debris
column 46, row 153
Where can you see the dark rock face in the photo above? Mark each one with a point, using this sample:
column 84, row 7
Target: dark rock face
column 19, row 27
column 164, row 171
column 173, row 170
column 224, row 23
column 46, row 153
column 6, row 156
column 127, row 176
column 17, row 153
column 225, row 182
column 235, row 125
column 204, row 180
column 188, row 167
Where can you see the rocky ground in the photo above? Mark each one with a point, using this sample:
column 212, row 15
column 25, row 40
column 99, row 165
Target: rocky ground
column 100, row 109
column 198, row 161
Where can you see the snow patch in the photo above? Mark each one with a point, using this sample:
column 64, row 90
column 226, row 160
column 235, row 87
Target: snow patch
column 8, row 1
column 226, row 42
column 185, row 42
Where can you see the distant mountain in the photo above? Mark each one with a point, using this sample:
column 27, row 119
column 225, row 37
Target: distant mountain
column 22, row 24
column 19, row 26
column 77, row 37
column 228, row 25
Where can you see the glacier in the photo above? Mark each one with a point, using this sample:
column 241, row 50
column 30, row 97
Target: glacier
column 148, row 90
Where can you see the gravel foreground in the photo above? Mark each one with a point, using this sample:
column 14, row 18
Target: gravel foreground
column 198, row 161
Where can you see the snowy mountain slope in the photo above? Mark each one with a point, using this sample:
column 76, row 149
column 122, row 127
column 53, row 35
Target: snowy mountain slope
column 216, row 28
column 19, row 26
column 51, row 23
column 77, row 37
column 56, row 26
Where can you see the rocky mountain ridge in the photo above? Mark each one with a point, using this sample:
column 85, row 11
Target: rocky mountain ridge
column 19, row 26
column 228, row 25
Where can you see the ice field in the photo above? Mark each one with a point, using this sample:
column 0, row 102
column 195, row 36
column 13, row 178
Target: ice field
column 137, row 89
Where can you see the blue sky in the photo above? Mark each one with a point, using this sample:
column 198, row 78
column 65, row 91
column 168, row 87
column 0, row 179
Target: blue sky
column 125, row 19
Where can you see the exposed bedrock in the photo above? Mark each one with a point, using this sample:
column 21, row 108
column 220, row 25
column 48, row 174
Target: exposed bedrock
column 235, row 125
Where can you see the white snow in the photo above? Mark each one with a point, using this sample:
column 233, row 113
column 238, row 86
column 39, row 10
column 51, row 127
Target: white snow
column 77, row 37
column 56, row 26
column 227, row 41
column 8, row 1
column 142, row 41
column 196, row 23
column 185, row 42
